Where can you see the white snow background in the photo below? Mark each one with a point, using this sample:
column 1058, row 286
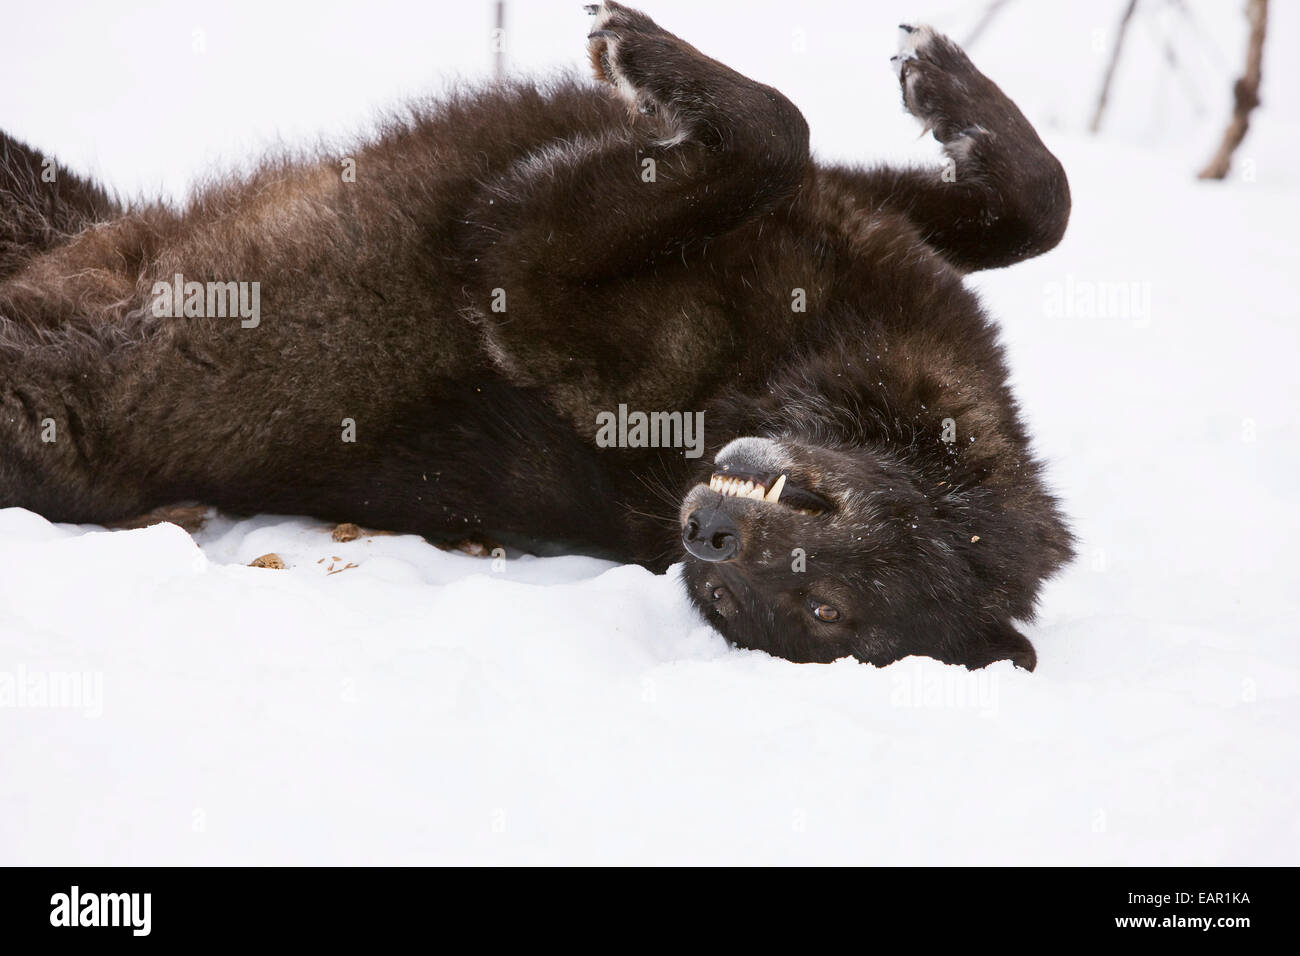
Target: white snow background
column 423, row 707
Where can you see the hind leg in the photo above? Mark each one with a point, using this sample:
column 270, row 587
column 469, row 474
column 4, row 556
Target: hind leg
column 698, row 150
column 703, row 149
column 1002, row 197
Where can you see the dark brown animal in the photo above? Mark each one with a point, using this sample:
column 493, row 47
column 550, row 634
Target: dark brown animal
column 440, row 342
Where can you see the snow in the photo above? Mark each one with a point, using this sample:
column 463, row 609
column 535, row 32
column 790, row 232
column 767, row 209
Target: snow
column 426, row 706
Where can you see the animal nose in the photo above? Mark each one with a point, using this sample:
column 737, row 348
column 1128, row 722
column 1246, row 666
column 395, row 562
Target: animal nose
column 711, row 535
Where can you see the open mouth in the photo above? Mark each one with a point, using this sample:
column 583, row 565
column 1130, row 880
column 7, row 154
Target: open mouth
column 773, row 488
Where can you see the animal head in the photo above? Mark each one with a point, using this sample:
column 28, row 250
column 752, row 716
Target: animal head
column 817, row 550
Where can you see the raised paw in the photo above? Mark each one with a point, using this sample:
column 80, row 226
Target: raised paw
column 677, row 94
column 615, row 29
column 653, row 72
column 942, row 88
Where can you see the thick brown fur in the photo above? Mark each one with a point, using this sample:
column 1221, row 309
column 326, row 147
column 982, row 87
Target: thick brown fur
column 502, row 271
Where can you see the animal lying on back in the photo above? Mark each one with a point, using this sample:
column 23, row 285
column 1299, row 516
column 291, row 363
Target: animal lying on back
column 523, row 294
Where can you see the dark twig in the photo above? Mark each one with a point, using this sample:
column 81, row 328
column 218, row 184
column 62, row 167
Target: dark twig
column 990, row 12
column 1245, row 93
column 1104, row 95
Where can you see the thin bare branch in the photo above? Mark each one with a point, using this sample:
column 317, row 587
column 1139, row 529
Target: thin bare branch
column 990, row 12
column 499, row 54
column 1104, row 96
column 1245, row 93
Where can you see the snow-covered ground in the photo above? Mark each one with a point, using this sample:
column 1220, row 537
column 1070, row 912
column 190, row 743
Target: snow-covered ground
column 425, row 706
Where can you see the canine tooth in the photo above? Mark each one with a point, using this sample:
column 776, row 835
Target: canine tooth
column 775, row 493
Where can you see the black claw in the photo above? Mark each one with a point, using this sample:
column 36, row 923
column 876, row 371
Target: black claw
column 908, row 28
column 602, row 33
column 591, row 8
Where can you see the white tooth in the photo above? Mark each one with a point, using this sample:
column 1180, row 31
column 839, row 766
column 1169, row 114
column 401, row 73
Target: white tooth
column 775, row 493
column 715, row 483
column 757, row 493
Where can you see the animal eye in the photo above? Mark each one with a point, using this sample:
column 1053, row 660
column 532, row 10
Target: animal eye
column 825, row 612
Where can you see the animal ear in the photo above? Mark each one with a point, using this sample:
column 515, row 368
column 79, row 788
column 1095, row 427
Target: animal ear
column 999, row 641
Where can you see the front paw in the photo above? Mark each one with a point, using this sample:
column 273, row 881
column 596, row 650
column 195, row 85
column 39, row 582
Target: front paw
column 614, row 28
column 634, row 55
column 602, row 47
column 615, row 16
column 940, row 85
